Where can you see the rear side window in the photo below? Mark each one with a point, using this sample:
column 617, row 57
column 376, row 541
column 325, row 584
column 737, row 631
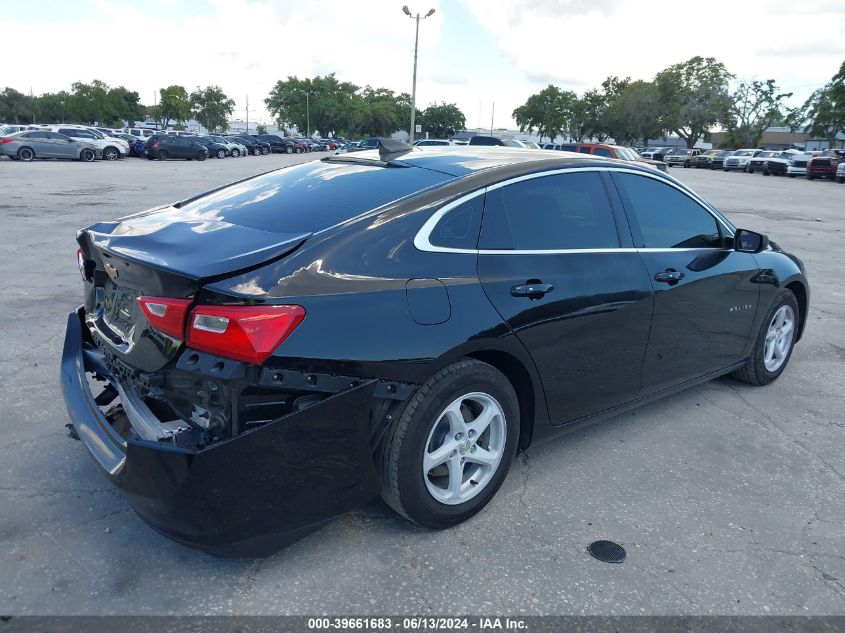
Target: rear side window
column 459, row 227
column 309, row 197
column 603, row 151
column 666, row 217
column 565, row 211
column 584, row 149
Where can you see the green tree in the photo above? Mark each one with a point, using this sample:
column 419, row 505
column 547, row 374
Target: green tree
column 261, row 129
column 444, row 120
column 587, row 117
column 174, row 105
column 755, row 106
column 332, row 104
column 636, row 112
column 695, row 96
column 549, row 112
column 377, row 112
column 823, row 113
column 211, row 107
column 52, row 107
column 89, row 104
column 125, row 104
column 15, row 107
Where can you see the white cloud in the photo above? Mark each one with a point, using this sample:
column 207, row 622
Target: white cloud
column 577, row 43
column 246, row 45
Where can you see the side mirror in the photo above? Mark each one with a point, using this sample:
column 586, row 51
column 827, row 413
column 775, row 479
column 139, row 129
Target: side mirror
column 746, row 241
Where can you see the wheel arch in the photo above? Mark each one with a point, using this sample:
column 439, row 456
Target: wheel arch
column 520, row 378
column 801, row 296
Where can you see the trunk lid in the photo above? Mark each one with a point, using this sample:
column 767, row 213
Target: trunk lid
column 162, row 254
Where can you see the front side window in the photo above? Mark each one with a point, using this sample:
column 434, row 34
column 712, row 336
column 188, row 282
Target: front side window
column 603, row 151
column 562, row 211
column 667, row 218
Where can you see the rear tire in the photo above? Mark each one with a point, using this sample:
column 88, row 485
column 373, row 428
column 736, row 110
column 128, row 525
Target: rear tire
column 766, row 171
column 256, row 151
column 465, row 466
column 764, row 367
column 26, row 154
column 840, row 179
column 265, row 151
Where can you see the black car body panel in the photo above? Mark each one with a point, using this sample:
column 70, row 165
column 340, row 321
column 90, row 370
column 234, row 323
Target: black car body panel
column 225, row 498
column 384, row 312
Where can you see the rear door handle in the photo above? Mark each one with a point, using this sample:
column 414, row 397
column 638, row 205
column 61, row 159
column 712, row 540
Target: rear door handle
column 532, row 291
column 669, row 276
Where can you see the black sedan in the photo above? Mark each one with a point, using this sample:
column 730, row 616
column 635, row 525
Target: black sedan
column 251, row 362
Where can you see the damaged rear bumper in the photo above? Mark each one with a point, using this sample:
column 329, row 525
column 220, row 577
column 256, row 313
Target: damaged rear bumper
column 246, row 496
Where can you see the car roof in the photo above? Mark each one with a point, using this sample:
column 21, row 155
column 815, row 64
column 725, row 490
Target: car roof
column 462, row 160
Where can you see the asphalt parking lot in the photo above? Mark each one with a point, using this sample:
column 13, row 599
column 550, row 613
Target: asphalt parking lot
column 729, row 499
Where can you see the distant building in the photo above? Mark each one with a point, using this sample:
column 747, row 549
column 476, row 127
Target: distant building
column 779, row 138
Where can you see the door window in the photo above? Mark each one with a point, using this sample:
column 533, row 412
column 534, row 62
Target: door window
column 602, row 151
column 666, row 217
column 562, row 211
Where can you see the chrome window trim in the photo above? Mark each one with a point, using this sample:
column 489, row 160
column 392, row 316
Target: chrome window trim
column 422, row 240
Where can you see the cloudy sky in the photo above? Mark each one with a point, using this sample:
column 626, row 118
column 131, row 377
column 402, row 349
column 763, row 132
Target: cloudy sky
column 472, row 52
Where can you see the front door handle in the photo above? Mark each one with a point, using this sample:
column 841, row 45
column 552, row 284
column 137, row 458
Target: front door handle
column 532, row 291
column 669, row 276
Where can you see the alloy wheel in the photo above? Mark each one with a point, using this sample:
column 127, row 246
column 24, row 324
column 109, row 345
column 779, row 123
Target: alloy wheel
column 779, row 338
column 464, row 448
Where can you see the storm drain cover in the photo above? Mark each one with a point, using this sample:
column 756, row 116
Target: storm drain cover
column 607, row 551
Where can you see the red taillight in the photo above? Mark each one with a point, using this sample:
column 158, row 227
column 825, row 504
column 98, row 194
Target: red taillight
column 247, row 333
column 156, row 144
column 166, row 315
column 4, row 140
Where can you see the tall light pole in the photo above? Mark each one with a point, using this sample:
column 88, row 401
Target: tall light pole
column 308, row 93
column 416, row 17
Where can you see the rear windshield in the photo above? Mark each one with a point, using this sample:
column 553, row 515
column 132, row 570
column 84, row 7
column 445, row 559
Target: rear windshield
column 312, row 196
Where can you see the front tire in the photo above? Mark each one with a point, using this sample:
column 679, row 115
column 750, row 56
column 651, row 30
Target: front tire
column 162, row 155
column 87, row 155
column 111, row 153
column 236, row 153
column 265, row 151
column 201, row 155
column 443, row 459
column 775, row 342
column 221, row 153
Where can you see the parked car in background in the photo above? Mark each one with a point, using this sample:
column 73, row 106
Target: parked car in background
column 166, row 146
column 711, row 159
column 136, row 145
column 32, row 144
column 253, row 145
column 628, row 153
column 141, row 132
column 840, row 172
column 821, row 167
column 481, row 139
column 738, row 160
column 232, row 148
column 681, row 157
column 758, row 163
column 797, row 165
column 777, row 165
column 428, row 142
column 278, row 144
column 661, row 153
column 352, row 146
column 109, row 146
column 215, row 150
